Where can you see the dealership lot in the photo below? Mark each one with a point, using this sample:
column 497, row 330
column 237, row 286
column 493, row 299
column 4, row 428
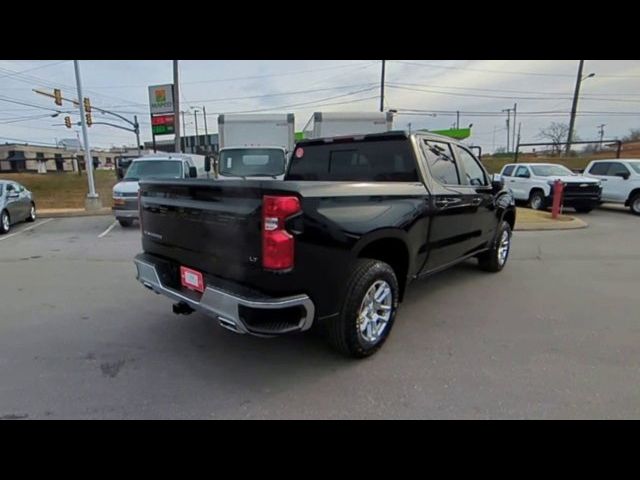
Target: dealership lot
column 555, row 335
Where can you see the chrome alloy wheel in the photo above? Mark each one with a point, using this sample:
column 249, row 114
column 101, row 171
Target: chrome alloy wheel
column 375, row 311
column 503, row 247
column 5, row 222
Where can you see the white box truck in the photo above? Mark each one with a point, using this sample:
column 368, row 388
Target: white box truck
column 333, row 124
column 254, row 145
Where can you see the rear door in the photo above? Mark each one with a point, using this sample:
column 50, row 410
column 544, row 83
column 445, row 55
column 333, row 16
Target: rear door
column 452, row 232
column 24, row 202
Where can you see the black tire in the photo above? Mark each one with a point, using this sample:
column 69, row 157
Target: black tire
column 634, row 204
column 5, row 225
column 343, row 331
column 583, row 209
column 491, row 261
column 125, row 222
column 537, row 200
column 32, row 213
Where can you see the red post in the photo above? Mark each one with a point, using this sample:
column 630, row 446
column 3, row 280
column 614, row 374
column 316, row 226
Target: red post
column 558, row 188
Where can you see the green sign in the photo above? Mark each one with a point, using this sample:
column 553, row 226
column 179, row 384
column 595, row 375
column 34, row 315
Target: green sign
column 162, row 129
column 299, row 136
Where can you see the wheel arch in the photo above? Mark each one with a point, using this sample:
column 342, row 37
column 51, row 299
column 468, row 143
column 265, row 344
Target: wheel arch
column 391, row 247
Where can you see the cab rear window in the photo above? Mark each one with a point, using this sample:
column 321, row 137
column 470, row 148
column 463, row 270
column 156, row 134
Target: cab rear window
column 368, row 161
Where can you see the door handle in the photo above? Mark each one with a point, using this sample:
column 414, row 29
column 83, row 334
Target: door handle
column 512, row 181
column 445, row 202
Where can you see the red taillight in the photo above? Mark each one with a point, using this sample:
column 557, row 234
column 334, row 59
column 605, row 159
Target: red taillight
column 277, row 243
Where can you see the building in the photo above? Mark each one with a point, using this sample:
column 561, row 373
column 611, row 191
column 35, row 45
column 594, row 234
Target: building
column 25, row 157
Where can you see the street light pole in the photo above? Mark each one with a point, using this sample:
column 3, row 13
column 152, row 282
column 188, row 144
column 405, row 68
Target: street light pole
column 574, row 106
column 176, row 106
column 93, row 200
column 382, row 87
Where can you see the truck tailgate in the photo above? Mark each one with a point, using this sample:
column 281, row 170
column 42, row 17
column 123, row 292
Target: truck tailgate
column 211, row 226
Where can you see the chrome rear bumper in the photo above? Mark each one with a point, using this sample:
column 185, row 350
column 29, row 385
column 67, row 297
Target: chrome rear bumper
column 225, row 305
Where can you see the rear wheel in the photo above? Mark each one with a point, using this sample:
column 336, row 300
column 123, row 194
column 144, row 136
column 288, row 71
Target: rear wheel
column 32, row 213
column 634, row 203
column 5, row 222
column 536, row 200
column 495, row 259
column 125, row 222
column 368, row 312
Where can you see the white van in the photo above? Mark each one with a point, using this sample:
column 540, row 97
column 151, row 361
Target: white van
column 161, row 166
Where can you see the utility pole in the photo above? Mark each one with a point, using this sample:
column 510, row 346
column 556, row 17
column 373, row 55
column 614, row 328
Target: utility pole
column 137, row 128
column 508, row 110
column 457, row 119
column 206, row 132
column 195, row 116
column 601, row 132
column 515, row 110
column 184, row 128
column 382, row 87
column 176, row 105
column 92, row 201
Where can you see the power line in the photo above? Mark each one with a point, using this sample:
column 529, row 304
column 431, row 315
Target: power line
column 509, row 72
column 30, row 69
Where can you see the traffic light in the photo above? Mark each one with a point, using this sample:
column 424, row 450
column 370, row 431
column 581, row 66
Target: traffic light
column 87, row 105
column 57, row 94
column 89, row 119
column 67, row 122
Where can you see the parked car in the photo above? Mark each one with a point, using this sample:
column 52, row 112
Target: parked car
column 16, row 205
column 333, row 245
column 533, row 183
column 620, row 181
column 125, row 192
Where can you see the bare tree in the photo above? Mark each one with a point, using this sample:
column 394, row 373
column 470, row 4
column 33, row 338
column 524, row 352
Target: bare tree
column 634, row 135
column 556, row 133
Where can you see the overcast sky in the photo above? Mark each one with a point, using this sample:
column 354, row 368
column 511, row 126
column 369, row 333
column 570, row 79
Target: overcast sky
column 433, row 89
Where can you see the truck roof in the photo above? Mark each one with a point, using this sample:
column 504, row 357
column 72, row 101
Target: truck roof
column 393, row 134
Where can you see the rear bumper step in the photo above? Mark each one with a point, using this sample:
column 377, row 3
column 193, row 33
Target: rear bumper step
column 262, row 317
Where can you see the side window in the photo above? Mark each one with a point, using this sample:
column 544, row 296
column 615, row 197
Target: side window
column 615, row 168
column 508, row 170
column 18, row 188
column 599, row 168
column 441, row 163
column 522, row 172
column 473, row 171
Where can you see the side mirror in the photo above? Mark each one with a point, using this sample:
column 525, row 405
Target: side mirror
column 497, row 182
column 207, row 163
column 193, row 172
column 623, row 175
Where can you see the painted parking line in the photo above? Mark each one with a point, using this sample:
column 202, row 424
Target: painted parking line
column 108, row 229
column 5, row 237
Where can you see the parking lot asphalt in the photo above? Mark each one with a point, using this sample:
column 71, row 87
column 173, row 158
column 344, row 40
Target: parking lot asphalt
column 554, row 335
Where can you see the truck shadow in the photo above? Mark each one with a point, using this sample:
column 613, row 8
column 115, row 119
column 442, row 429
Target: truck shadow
column 251, row 362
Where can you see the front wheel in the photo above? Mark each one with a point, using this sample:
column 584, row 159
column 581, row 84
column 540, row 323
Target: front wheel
column 5, row 222
column 634, row 203
column 536, row 200
column 495, row 259
column 32, row 213
column 368, row 311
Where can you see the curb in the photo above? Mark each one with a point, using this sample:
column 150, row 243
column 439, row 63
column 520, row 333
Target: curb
column 73, row 213
column 573, row 224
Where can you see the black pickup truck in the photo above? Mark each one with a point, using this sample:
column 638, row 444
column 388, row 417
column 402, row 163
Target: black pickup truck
column 334, row 245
